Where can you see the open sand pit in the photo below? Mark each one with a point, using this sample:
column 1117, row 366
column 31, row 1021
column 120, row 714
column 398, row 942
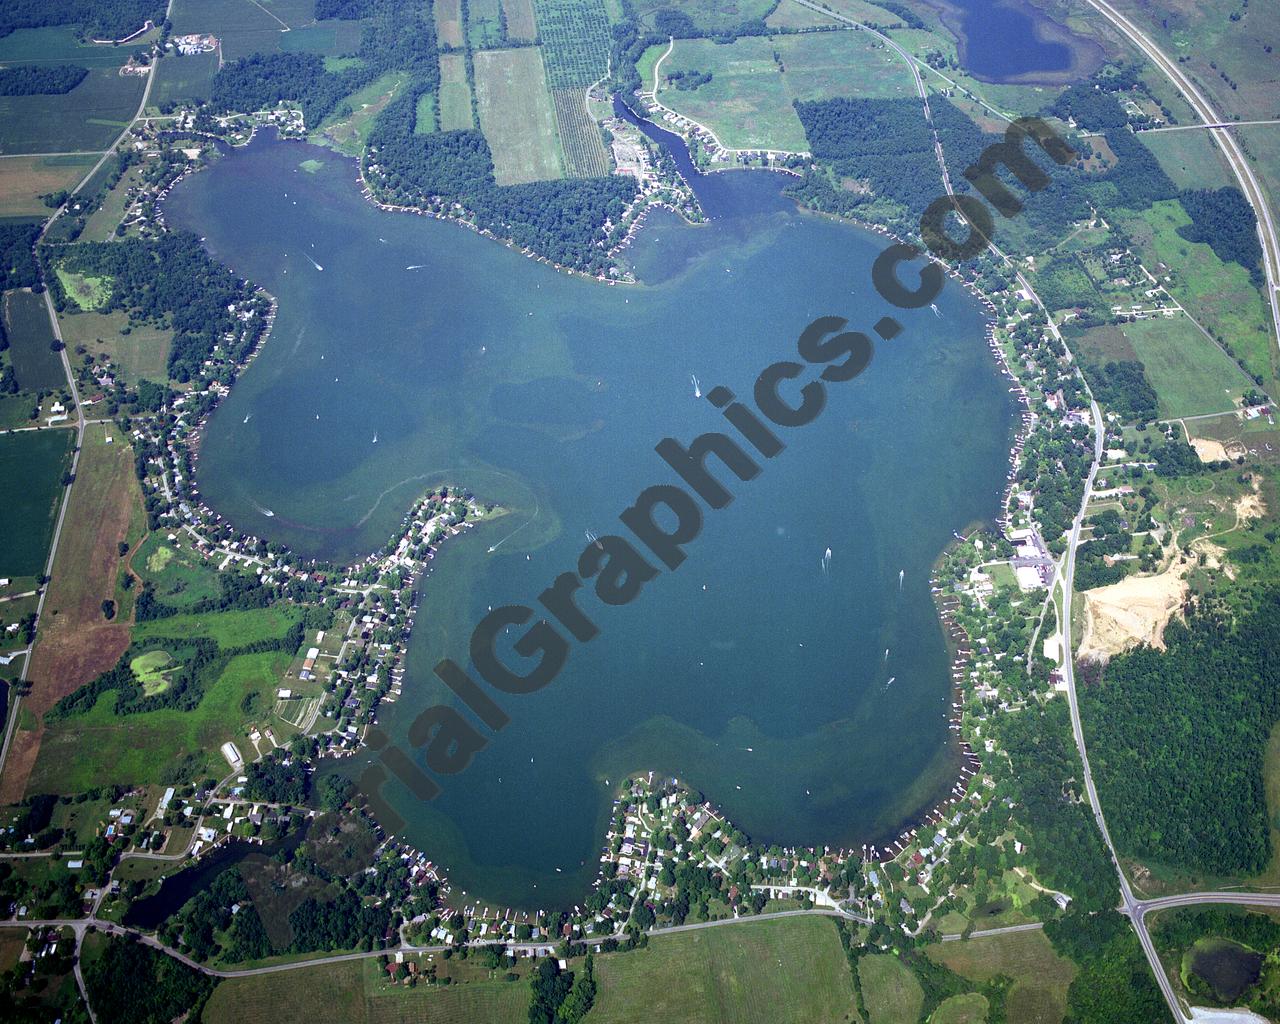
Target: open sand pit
column 1131, row 612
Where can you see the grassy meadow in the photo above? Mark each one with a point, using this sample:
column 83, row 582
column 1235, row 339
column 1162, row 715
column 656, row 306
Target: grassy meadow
column 516, row 115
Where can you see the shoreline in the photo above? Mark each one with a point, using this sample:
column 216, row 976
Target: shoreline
column 969, row 764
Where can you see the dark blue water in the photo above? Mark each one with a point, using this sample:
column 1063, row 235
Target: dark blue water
column 1008, row 41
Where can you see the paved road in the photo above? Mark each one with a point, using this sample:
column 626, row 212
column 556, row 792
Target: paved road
column 1226, row 141
column 1007, row 930
column 1193, row 127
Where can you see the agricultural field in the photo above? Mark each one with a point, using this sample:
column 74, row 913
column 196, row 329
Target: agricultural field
column 246, row 28
column 521, row 24
column 1219, row 295
column 58, row 44
column 1191, row 375
column 102, row 747
column 889, row 989
column 790, row 15
column 516, row 115
column 31, row 469
column 76, row 640
column 575, row 41
column 425, row 115
column 455, row 93
column 749, row 101
column 24, row 179
column 787, row 970
column 36, row 365
column 182, row 79
column 142, row 352
column 1191, row 159
column 1041, row 977
column 484, row 25
column 584, row 152
column 448, row 18
column 89, row 117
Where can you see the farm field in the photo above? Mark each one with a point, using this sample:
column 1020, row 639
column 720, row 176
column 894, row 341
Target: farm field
column 351, row 993
column 575, row 41
column 970, row 1008
column 24, row 179
column 57, row 45
column 140, row 353
column 36, row 365
column 348, row 135
column 246, row 28
column 1191, row 159
column 1219, row 295
column 1041, row 977
column 521, row 24
column 1191, row 375
column 89, row 117
column 31, row 469
column 455, row 93
column 448, row 17
column 183, row 79
column 889, row 989
column 102, row 747
column 789, row 14
column 788, row 970
column 711, row 18
column 516, row 115
column 584, row 152
column 76, row 642
column 748, row 102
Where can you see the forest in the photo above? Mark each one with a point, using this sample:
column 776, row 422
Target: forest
column 100, row 19
column 1224, row 219
column 1124, row 389
column 1110, row 536
column 133, row 982
column 171, row 280
column 1177, row 740
column 40, row 79
column 18, row 267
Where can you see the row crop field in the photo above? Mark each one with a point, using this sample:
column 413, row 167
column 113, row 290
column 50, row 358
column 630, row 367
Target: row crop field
column 88, row 117
column 24, row 179
column 245, row 28
column 31, row 469
column 35, row 364
column 584, row 152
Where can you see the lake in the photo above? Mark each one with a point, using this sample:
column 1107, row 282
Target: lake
column 810, row 702
column 1015, row 41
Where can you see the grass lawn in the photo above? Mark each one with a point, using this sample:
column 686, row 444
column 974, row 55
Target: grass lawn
column 889, row 989
column 24, row 179
column 1219, row 295
column 89, row 293
column 183, row 79
column 1191, row 375
column 31, row 468
column 1041, row 976
column 101, row 748
column 455, row 94
column 516, row 115
column 36, row 365
column 791, row 969
column 143, row 352
column 227, row 629
column 970, row 1008
column 88, row 117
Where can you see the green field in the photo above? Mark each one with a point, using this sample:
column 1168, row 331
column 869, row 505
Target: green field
column 152, row 671
column 889, row 989
column 36, row 365
column 101, row 747
column 58, row 45
column 142, row 352
column 179, row 575
column 89, row 117
column 789, row 14
column 1190, row 158
column 31, row 468
column 711, row 18
column 484, row 26
column 970, row 1008
column 227, row 629
column 348, row 134
column 516, row 115
column 182, row 79
column 1191, row 375
column 771, row 972
column 749, row 101
column 424, row 118
column 455, row 93
column 24, row 179
column 1219, row 295
column 245, row 27
column 353, row 993
column 1041, row 977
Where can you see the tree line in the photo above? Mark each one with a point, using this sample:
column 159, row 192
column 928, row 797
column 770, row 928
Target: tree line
column 41, row 79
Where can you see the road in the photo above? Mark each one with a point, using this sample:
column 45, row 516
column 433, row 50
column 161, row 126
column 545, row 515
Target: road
column 1193, row 127
column 1226, row 141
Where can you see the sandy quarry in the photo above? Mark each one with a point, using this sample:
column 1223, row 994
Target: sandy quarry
column 1131, row 612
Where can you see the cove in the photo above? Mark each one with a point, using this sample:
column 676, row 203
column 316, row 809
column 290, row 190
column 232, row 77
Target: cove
column 811, row 705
